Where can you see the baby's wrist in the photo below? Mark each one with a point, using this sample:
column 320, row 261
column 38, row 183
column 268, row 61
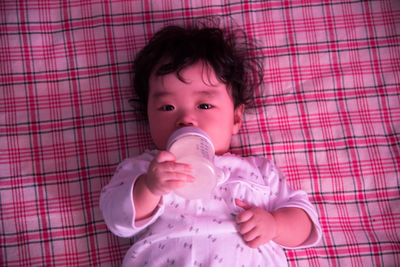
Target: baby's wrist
column 144, row 186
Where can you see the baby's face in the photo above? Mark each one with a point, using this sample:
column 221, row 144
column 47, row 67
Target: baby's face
column 200, row 101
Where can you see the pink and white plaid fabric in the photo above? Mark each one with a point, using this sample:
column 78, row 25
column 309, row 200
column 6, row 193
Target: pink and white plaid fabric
column 328, row 114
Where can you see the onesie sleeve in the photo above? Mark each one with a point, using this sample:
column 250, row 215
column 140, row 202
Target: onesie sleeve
column 284, row 196
column 116, row 201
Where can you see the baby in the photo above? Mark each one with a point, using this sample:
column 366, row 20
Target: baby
column 202, row 77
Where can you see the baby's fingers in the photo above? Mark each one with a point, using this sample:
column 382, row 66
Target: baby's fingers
column 167, row 181
column 161, row 167
column 164, row 156
column 181, row 168
column 165, row 174
column 178, row 178
column 174, row 180
column 242, row 204
column 250, row 234
column 168, row 161
column 256, row 242
column 244, row 216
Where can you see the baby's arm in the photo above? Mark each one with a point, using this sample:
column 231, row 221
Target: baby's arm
column 163, row 175
column 289, row 227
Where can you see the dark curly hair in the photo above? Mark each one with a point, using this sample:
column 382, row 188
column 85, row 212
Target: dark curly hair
column 173, row 48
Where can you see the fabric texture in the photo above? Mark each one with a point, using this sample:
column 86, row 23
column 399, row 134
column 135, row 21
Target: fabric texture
column 327, row 113
column 202, row 232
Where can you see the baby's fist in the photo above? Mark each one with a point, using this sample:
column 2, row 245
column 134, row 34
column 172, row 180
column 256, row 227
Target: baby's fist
column 165, row 174
column 256, row 225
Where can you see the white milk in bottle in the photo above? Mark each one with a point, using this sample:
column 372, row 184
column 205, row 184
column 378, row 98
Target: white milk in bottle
column 193, row 146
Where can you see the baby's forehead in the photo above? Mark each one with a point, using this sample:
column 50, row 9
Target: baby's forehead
column 199, row 70
column 198, row 79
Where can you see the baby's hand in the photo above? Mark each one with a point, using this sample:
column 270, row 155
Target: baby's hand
column 256, row 225
column 165, row 175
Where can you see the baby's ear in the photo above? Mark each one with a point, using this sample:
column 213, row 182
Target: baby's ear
column 238, row 118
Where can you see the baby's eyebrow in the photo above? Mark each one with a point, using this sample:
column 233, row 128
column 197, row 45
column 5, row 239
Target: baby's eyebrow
column 208, row 93
column 161, row 94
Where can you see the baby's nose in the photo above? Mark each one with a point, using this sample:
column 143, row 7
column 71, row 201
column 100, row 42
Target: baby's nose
column 185, row 124
column 186, row 120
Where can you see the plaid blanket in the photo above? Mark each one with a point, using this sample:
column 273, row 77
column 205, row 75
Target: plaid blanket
column 328, row 113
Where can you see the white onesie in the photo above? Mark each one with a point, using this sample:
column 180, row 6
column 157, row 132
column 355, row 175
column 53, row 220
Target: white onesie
column 202, row 232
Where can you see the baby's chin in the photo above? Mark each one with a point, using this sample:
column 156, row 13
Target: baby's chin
column 160, row 145
column 161, row 148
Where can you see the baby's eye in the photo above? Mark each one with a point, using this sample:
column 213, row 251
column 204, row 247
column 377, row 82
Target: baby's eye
column 167, row 108
column 205, row 106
